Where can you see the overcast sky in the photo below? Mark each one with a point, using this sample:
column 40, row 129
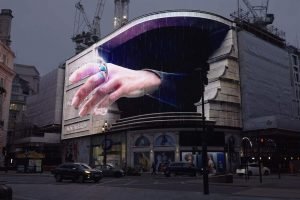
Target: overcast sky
column 42, row 29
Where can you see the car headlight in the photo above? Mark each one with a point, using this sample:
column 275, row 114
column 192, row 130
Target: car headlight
column 87, row 172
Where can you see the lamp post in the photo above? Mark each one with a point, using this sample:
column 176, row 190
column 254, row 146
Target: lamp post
column 204, row 150
column 259, row 141
column 204, row 81
column 105, row 128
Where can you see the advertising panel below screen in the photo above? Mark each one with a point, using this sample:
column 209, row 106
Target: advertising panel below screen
column 215, row 161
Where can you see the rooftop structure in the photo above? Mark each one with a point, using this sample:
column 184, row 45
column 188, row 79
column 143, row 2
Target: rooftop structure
column 5, row 26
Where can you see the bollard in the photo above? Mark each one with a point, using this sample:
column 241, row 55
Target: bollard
column 5, row 192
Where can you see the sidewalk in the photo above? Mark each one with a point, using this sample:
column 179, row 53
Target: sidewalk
column 287, row 187
column 14, row 173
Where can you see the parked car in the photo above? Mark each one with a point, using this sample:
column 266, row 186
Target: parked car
column 110, row 170
column 253, row 169
column 76, row 172
column 181, row 168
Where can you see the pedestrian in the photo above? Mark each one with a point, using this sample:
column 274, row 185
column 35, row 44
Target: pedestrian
column 153, row 168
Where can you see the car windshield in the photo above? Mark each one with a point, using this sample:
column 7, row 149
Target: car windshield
column 84, row 166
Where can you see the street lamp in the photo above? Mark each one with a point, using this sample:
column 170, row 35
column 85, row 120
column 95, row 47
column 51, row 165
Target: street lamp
column 204, row 81
column 105, row 128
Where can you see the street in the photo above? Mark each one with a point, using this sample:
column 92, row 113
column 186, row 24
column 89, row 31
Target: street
column 43, row 187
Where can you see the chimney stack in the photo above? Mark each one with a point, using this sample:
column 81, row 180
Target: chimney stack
column 5, row 26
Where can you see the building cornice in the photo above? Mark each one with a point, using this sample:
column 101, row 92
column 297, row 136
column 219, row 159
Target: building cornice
column 7, row 48
column 7, row 70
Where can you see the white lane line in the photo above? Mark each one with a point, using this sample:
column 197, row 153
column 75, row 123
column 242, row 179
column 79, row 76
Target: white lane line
column 16, row 197
column 111, row 181
column 130, row 182
column 104, row 182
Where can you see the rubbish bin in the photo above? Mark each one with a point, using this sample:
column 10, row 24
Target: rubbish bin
column 5, row 192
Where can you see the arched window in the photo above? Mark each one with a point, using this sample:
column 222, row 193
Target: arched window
column 142, row 141
column 164, row 140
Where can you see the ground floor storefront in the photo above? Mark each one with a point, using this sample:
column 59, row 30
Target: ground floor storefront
column 277, row 149
column 142, row 144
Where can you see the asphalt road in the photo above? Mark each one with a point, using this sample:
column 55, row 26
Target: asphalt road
column 44, row 187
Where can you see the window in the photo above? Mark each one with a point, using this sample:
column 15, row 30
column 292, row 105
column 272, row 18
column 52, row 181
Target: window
column 1, row 103
column 1, row 82
column 295, row 59
column 13, row 106
column 13, row 115
column 164, row 140
column 4, row 59
column 15, row 89
column 142, row 141
column 296, row 77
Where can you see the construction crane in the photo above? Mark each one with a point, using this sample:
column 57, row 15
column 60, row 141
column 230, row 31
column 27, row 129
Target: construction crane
column 85, row 33
column 260, row 16
column 121, row 13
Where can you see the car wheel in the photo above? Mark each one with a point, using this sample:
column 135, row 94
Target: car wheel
column 172, row 174
column 80, row 179
column 249, row 173
column 118, row 174
column 58, row 178
column 193, row 174
column 167, row 174
column 266, row 173
column 96, row 180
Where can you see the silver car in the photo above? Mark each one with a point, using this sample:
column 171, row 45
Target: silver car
column 253, row 169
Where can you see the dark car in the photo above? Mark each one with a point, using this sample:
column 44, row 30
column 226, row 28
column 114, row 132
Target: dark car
column 181, row 168
column 109, row 170
column 76, row 172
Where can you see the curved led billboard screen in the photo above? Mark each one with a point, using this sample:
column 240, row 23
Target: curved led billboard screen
column 174, row 48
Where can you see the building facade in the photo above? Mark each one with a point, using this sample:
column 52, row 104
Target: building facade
column 6, row 77
column 36, row 141
column 241, row 100
column 22, row 88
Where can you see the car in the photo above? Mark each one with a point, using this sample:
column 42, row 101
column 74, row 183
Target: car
column 76, row 172
column 181, row 168
column 110, row 170
column 253, row 169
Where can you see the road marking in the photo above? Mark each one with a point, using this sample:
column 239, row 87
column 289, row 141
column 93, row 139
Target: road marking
column 130, row 182
column 16, row 197
column 104, row 182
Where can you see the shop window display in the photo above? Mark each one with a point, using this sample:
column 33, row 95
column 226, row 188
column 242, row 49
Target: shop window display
column 215, row 161
column 162, row 159
column 142, row 161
